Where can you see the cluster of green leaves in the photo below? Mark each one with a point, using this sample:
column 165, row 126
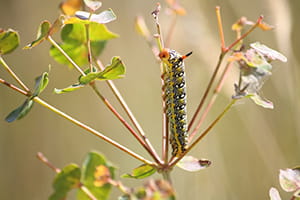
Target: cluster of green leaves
column 289, row 180
column 73, row 177
column 40, row 84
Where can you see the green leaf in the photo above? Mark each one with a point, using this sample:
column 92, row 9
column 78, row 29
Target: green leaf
column 141, row 172
column 74, row 42
column 192, row 164
column 93, row 4
column 9, row 41
column 92, row 161
column 289, row 179
column 113, row 71
column 274, row 194
column 66, row 180
column 76, row 31
column 20, row 112
column 40, row 84
column 101, row 18
column 42, row 34
column 268, row 52
column 68, row 89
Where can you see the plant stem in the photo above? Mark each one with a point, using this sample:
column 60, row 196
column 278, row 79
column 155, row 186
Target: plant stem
column 126, row 108
column 165, row 131
column 148, row 148
column 220, row 27
column 87, row 29
column 207, row 90
column 204, row 133
column 122, row 120
column 259, row 20
column 13, row 74
column 213, row 99
column 166, row 176
column 42, row 158
column 14, row 87
column 66, row 55
column 93, row 131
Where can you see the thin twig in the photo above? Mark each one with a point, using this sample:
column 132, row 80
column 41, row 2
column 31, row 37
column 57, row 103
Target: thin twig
column 165, row 127
column 42, row 158
column 204, row 133
column 220, row 27
column 87, row 30
column 259, row 20
column 66, row 55
column 126, row 108
column 13, row 74
column 93, row 131
column 123, row 121
column 14, row 87
column 212, row 100
column 212, row 79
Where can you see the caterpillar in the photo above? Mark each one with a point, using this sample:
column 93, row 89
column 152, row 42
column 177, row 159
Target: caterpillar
column 175, row 99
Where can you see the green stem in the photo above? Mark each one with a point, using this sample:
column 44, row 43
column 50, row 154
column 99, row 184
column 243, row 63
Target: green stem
column 204, row 133
column 87, row 28
column 66, row 55
column 93, row 131
column 13, row 74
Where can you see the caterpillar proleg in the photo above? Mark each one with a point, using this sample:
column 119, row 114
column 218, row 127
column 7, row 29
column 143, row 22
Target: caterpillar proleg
column 175, row 99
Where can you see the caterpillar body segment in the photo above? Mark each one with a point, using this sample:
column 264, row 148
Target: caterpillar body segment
column 175, row 98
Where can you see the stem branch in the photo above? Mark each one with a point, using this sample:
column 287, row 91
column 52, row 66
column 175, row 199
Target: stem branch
column 93, row 131
column 13, row 74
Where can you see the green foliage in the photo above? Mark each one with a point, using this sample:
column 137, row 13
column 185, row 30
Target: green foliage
column 42, row 34
column 20, row 112
column 141, row 172
column 74, row 42
column 66, row 180
column 40, row 84
column 115, row 70
column 9, row 41
column 91, row 162
column 69, row 89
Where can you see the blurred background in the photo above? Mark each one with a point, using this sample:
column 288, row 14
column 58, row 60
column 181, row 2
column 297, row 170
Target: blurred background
column 247, row 148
